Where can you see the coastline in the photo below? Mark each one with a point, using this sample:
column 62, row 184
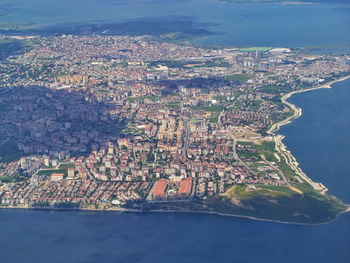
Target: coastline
column 281, row 148
column 127, row 210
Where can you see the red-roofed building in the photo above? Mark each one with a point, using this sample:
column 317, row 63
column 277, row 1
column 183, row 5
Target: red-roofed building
column 159, row 189
column 185, row 187
column 57, row 176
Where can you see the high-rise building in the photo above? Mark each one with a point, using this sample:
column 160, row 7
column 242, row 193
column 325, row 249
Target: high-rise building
column 71, row 172
column 47, row 161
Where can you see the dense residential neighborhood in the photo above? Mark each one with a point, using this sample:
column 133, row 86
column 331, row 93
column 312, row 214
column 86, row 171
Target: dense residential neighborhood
column 116, row 121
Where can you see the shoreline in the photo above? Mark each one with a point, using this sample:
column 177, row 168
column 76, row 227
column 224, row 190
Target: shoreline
column 127, row 210
column 275, row 127
column 282, row 149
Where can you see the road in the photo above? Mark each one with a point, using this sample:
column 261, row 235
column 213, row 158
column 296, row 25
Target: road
column 234, row 143
column 186, row 138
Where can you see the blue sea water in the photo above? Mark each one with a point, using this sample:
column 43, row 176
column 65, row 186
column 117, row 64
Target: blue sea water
column 90, row 237
column 321, row 24
column 320, row 138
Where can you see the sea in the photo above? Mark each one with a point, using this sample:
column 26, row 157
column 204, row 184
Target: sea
column 322, row 24
column 29, row 236
column 319, row 140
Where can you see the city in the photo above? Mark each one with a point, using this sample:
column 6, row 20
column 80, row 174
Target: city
column 119, row 122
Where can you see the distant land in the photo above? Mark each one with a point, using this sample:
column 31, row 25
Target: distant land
column 215, row 23
column 206, row 130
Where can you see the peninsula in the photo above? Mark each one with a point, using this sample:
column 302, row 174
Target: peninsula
column 131, row 123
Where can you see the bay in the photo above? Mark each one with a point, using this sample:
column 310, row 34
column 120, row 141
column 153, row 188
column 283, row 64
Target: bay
column 322, row 25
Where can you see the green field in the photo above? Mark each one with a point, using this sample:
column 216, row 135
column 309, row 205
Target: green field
column 172, row 63
column 52, row 171
column 212, row 108
column 66, row 165
column 173, row 105
column 267, row 149
column 213, row 120
column 11, row 178
column 152, row 98
column 240, row 191
column 240, row 77
column 196, row 120
column 279, row 203
column 284, row 206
